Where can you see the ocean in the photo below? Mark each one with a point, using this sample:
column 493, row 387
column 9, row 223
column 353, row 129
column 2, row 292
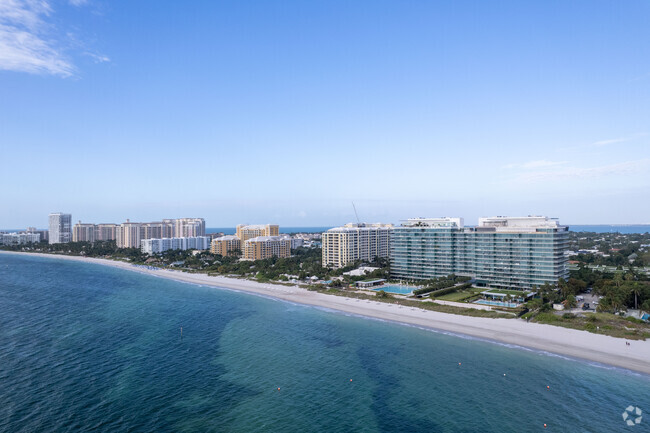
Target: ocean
column 85, row 347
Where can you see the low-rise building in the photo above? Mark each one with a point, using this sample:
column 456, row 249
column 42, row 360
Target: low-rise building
column 154, row 246
column 34, row 230
column 19, row 238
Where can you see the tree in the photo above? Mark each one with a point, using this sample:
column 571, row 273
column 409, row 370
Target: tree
column 618, row 279
column 570, row 302
column 636, row 291
column 576, row 286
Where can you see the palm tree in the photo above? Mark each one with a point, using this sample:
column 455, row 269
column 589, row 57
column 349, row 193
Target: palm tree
column 636, row 289
column 564, row 287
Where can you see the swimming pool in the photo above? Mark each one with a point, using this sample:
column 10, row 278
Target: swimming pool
column 400, row 290
column 497, row 303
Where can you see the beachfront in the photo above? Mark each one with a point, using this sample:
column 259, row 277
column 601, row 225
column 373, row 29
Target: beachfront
column 569, row 342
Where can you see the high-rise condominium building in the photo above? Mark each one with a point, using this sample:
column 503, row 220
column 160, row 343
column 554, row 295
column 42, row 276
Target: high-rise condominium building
column 129, row 235
column 264, row 247
column 188, row 227
column 106, row 232
column 84, row 232
column 508, row 252
column 343, row 245
column 60, row 228
column 225, row 244
column 93, row 232
column 245, row 232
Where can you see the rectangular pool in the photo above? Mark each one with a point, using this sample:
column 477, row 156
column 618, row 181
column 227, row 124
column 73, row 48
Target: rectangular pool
column 397, row 289
column 497, row 303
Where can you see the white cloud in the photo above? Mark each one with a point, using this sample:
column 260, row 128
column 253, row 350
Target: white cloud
column 576, row 173
column 99, row 58
column 78, row 2
column 542, row 163
column 619, row 139
column 26, row 44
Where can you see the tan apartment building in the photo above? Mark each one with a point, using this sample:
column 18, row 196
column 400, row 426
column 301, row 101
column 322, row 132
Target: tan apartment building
column 264, row 247
column 225, row 244
column 245, row 232
column 83, row 232
column 188, row 227
column 129, row 235
column 344, row 245
column 105, row 232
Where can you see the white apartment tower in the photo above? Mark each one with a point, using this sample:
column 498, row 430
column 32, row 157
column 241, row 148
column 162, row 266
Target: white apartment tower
column 60, row 228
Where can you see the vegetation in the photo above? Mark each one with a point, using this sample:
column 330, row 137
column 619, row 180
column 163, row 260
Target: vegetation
column 439, row 283
column 598, row 323
column 441, row 292
column 611, row 249
column 105, row 249
column 461, row 295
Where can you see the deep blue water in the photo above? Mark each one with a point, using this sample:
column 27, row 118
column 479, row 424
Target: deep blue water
column 231, row 230
column 85, row 347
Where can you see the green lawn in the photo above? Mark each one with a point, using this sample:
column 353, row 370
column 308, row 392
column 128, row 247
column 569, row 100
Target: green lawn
column 460, row 295
column 506, row 292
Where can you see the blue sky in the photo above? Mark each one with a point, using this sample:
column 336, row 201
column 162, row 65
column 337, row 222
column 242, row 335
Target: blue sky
column 286, row 112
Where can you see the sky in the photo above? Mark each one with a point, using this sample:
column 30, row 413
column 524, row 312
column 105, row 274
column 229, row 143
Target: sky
column 287, row 112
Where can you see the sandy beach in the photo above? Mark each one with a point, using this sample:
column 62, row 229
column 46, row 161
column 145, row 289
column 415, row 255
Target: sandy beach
column 573, row 343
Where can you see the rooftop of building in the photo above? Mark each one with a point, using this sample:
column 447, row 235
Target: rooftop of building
column 502, row 224
column 269, row 238
column 360, row 226
column 226, row 238
column 441, row 222
column 256, row 226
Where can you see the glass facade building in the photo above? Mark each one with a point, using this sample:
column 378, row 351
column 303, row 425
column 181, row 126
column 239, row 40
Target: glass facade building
column 518, row 253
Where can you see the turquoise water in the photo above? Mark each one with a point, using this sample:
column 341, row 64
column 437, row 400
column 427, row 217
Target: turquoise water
column 85, row 347
column 400, row 290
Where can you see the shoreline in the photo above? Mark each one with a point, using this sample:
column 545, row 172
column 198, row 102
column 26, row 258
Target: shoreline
column 581, row 345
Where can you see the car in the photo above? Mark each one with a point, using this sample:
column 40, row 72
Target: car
column 585, row 306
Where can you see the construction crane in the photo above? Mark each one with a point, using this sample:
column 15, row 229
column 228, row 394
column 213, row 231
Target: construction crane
column 355, row 213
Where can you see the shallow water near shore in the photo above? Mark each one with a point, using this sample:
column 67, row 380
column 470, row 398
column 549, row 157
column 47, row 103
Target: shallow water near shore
column 89, row 347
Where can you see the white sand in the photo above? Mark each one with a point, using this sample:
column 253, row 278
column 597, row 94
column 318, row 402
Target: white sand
column 555, row 339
